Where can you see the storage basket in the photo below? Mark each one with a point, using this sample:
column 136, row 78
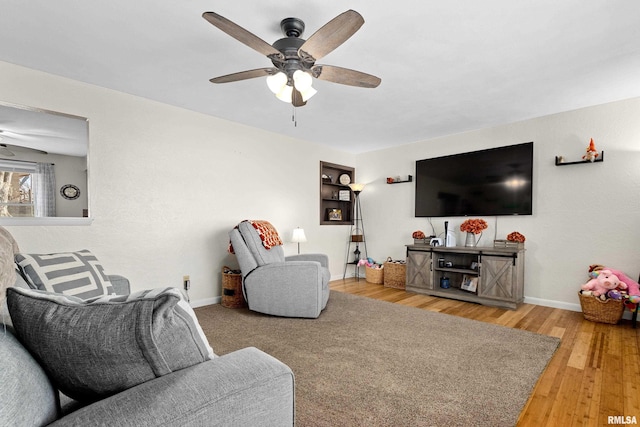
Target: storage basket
column 395, row 274
column 232, row 296
column 374, row 275
column 596, row 310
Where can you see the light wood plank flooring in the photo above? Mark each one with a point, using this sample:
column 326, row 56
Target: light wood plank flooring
column 594, row 374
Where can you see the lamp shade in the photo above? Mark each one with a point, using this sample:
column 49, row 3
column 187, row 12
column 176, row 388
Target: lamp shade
column 298, row 236
column 356, row 187
column 285, row 94
column 277, row 82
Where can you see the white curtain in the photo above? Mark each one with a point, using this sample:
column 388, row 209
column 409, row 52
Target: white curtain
column 44, row 189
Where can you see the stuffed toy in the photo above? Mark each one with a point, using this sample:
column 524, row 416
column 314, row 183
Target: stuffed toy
column 591, row 154
column 604, row 282
column 633, row 288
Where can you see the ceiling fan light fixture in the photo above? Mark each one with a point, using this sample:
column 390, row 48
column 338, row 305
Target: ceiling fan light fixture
column 285, row 95
column 277, row 82
column 302, row 80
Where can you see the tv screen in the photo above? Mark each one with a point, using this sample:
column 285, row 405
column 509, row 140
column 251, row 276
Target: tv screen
column 497, row 181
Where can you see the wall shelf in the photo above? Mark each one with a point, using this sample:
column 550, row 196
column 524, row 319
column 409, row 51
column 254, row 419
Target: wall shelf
column 599, row 159
column 409, row 179
column 330, row 188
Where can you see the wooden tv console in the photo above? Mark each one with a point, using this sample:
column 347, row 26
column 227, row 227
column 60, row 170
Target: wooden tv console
column 498, row 273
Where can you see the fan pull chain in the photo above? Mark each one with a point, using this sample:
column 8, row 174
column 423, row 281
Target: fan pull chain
column 294, row 116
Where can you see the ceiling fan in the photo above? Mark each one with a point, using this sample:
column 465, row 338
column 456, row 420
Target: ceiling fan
column 294, row 59
column 7, row 150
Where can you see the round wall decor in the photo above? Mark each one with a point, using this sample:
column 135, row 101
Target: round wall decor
column 70, row 192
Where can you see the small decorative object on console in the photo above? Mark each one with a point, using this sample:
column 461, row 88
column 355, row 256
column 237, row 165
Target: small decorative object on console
column 418, row 237
column 471, row 227
column 475, row 226
column 514, row 236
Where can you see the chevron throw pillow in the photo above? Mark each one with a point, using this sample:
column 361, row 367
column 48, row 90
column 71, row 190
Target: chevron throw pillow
column 71, row 273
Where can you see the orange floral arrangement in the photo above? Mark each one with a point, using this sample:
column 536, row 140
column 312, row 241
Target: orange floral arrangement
column 516, row 237
column 475, row 226
column 418, row 235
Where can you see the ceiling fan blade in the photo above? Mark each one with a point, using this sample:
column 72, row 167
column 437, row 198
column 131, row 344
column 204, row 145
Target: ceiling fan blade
column 332, row 34
column 240, row 34
column 296, row 98
column 4, row 151
column 345, row 76
column 245, row 75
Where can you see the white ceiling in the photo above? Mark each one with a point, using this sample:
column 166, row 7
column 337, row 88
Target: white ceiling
column 446, row 66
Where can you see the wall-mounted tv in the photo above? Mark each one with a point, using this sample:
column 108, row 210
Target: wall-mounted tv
column 496, row 181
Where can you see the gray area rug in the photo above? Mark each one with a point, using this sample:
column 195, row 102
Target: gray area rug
column 366, row 362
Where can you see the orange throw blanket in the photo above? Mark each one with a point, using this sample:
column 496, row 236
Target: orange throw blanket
column 267, row 232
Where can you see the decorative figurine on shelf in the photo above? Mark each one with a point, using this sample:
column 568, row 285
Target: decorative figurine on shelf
column 591, row 154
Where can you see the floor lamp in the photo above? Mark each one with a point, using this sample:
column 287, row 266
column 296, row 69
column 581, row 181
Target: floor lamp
column 356, row 233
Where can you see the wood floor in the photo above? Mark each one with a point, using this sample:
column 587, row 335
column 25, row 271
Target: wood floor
column 594, row 374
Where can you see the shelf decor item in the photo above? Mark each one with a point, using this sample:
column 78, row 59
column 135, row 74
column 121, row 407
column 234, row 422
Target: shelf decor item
column 335, row 214
column 473, row 227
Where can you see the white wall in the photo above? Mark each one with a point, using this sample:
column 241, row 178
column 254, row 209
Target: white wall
column 166, row 185
column 583, row 214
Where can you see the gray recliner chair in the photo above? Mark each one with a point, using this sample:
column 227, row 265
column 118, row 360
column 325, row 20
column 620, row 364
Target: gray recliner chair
column 292, row 286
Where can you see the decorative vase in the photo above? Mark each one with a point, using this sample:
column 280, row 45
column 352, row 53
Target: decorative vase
column 470, row 240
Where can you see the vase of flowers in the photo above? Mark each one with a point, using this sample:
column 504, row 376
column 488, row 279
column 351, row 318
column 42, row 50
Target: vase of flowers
column 473, row 227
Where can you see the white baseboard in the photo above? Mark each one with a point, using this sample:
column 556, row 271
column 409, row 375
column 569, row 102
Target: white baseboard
column 205, row 301
column 564, row 305
column 552, row 303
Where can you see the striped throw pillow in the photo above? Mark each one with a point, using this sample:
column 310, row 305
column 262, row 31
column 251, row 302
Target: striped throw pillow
column 79, row 274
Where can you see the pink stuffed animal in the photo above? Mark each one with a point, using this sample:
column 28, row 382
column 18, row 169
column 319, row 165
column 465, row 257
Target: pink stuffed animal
column 603, row 283
column 632, row 286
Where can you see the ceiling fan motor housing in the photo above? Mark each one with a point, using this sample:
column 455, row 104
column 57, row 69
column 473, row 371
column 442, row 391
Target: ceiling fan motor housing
column 292, row 27
column 289, row 46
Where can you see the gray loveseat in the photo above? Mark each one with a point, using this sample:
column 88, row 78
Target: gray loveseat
column 244, row 388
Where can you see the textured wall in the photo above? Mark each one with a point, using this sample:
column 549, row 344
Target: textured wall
column 583, row 214
column 167, row 184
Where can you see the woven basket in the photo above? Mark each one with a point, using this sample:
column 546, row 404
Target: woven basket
column 596, row 310
column 232, row 296
column 374, row 275
column 395, row 274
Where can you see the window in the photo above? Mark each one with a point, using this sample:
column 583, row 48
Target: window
column 16, row 192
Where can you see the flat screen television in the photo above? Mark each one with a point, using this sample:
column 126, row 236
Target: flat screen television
column 496, row 181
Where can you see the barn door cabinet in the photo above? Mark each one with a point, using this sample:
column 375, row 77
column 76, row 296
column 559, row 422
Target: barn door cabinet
column 493, row 276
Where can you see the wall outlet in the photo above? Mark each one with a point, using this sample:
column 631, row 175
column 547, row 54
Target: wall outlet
column 186, row 282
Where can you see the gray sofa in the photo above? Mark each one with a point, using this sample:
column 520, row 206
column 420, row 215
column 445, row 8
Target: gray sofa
column 292, row 286
column 244, row 388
